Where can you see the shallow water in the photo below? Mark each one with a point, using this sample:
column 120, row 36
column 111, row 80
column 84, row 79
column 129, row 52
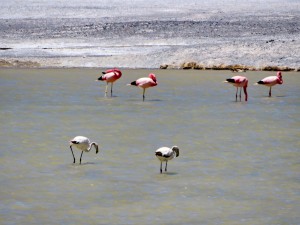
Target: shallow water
column 238, row 163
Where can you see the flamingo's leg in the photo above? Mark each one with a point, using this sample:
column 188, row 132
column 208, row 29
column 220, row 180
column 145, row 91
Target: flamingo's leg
column 240, row 94
column 111, row 89
column 72, row 154
column 106, row 89
column 81, row 156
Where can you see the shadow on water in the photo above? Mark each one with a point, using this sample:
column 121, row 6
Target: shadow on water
column 155, row 100
column 272, row 97
column 88, row 163
column 168, row 174
column 233, row 101
column 77, row 165
column 140, row 101
column 109, row 96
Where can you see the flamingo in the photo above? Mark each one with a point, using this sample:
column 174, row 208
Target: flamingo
column 83, row 144
column 271, row 81
column 239, row 82
column 165, row 154
column 145, row 82
column 110, row 76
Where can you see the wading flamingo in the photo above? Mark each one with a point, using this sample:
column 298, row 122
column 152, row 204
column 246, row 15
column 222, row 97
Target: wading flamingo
column 110, row 76
column 145, row 82
column 83, row 144
column 239, row 82
column 271, row 81
column 165, row 154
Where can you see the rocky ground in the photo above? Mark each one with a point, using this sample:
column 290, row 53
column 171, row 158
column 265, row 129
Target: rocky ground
column 149, row 36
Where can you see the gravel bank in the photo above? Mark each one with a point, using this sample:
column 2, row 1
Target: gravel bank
column 138, row 34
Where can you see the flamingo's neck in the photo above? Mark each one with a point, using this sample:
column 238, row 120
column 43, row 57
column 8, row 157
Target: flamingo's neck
column 93, row 144
column 280, row 79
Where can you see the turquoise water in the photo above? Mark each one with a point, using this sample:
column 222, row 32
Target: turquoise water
column 238, row 163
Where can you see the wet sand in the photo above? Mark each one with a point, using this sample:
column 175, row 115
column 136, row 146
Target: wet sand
column 148, row 35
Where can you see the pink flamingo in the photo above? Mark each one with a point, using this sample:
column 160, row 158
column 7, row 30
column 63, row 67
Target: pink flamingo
column 110, row 76
column 239, row 82
column 145, row 82
column 271, row 81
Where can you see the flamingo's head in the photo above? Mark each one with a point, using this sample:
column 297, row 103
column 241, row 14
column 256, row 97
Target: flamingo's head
column 176, row 150
column 117, row 72
column 97, row 149
column 95, row 145
column 279, row 74
column 153, row 77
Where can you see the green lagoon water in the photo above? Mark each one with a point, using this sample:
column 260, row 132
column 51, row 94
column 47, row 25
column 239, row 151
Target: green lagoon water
column 238, row 163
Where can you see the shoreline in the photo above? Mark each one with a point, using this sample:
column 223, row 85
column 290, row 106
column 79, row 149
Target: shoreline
column 46, row 63
column 182, row 35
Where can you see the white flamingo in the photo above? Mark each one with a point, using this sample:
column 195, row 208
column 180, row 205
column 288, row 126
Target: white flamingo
column 165, row 154
column 83, row 144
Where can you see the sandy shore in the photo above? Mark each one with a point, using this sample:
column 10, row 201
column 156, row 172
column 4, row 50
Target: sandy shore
column 138, row 34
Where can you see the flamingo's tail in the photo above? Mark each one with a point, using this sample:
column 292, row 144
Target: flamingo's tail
column 132, row 83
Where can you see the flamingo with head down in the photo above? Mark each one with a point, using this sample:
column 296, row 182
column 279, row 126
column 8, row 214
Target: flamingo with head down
column 83, row 144
column 164, row 154
column 110, row 76
column 271, row 81
column 239, row 82
column 145, row 82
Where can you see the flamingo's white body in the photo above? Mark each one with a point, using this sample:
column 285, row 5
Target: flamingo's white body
column 164, row 154
column 83, row 144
